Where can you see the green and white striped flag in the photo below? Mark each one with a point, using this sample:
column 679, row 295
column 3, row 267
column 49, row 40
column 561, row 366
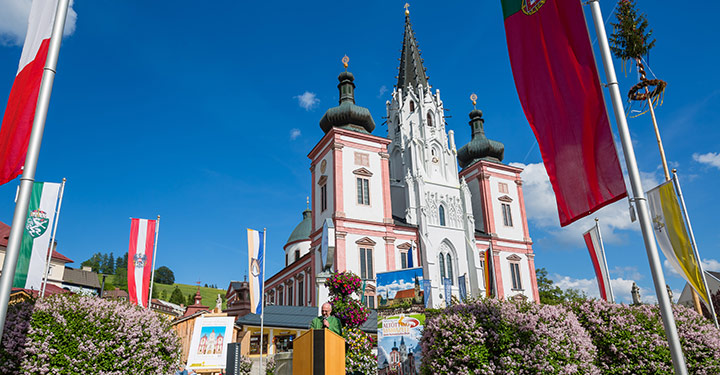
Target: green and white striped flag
column 36, row 237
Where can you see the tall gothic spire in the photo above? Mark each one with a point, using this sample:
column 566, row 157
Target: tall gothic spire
column 412, row 72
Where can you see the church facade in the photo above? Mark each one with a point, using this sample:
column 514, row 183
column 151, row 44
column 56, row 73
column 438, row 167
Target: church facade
column 399, row 201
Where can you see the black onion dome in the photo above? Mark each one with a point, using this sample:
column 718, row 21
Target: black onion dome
column 347, row 115
column 480, row 147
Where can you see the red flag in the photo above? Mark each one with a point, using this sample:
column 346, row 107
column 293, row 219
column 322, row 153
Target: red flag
column 558, row 85
column 140, row 257
column 20, row 111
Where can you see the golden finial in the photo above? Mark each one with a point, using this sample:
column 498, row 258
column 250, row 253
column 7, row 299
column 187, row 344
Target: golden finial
column 473, row 97
column 345, row 61
column 407, row 11
column 307, row 202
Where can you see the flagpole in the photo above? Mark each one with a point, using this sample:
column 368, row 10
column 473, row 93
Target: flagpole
column 262, row 302
column 52, row 238
column 152, row 274
column 607, row 272
column 33, row 151
column 696, row 253
column 639, row 195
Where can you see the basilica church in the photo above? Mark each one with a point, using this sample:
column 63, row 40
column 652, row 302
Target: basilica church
column 398, row 201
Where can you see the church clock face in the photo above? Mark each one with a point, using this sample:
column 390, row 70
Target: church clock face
column 323, row 166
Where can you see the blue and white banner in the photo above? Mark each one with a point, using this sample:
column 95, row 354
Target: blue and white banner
column 463, row 288
column 448, row 291
column 427, row 289
column 256, row 255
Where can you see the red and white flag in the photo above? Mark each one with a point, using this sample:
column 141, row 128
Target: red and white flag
column 140, row 258
column 597, row 254
column 18, row 118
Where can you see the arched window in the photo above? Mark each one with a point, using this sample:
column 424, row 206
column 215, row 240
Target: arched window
column 450, row 269
column 442, row 267
column 297, row 255
column 441, row 213
column 412, row 106
column 429, row 119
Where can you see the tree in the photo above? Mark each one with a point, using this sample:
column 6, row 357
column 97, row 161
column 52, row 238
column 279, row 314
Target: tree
column 551, row 294
column 164, row 275
column 94, row 262
column 176, row 297
column 630, row 39
column 121, row 262
column 121, row 278
column 163, row 295
column 190, row 299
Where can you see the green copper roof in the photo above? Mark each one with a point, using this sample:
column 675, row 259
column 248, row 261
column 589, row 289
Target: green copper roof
column 302, row 230
column 480, row 147
column 347, row 115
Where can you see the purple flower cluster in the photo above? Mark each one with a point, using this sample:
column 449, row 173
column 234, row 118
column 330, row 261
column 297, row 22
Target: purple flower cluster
column 498, row 337
column 343, row 283
column 80, row 335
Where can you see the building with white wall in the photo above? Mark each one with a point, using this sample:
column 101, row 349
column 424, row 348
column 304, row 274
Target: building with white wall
column 399, row 200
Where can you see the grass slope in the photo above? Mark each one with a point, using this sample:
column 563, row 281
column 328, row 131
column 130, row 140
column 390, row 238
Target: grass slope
column 209, row 295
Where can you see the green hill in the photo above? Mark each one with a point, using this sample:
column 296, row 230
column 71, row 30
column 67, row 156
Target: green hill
column 209, row 295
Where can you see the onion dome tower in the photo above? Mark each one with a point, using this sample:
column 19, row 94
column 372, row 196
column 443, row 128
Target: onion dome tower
column 347, row 115
column 480, row 147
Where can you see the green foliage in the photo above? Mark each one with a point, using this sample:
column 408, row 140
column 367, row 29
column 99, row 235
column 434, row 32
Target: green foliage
column 630, row 39
column 177, row 297
column 164, row 295
column 164, row 275
column 190, row 299
column 120, row 279
column 94, row 262
column 551, row 294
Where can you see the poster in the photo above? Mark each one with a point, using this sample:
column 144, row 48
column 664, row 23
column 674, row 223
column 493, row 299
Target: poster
column 401, row 317
column 208, row 346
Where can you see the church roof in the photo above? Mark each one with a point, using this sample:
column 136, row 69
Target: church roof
column 407, row 293
column 479, row 147
column 347, row 115
column 412, row 72
column 302, row 230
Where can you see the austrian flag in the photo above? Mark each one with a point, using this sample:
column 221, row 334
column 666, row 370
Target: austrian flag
column 20, row 112
column 140, row 258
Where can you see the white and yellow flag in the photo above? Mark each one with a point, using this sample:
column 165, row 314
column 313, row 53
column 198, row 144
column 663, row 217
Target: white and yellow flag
column 672, row 235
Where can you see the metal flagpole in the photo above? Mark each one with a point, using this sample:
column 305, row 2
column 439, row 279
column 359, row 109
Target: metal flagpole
column 696, row 253
column 152, row 274
column 262, row 302
column 28, row 177
column 607, row 272
column 52, row 239
column 639, row 195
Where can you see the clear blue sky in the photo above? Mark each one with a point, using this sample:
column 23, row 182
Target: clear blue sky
column 205, row 113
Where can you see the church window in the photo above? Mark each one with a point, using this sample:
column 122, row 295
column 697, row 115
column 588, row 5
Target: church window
column 323, row 198
column 503, row 187
column 286, row 259
column 290, row 296
column 507, row 215
column 515, row 273
column 301, row 292
column 403, row 259
column 370, row 301
column 366, row 263
column 363, row 191
column 441, row 214
column 442, row 266
column 362, row 159
column 450, row 269
column 297, row 255
column 281, row 297
column 429, row 119
column 412, row 106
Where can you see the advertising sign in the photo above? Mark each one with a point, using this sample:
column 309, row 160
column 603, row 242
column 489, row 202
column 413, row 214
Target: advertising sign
column 208, row 347
column 401, row 317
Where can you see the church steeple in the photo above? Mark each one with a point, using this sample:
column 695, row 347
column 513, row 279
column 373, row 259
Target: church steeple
column 347, row 115
column 412, row 72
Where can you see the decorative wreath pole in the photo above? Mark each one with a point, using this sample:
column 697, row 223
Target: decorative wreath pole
column 631, row 40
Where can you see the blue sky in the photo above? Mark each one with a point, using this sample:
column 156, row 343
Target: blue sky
column 205, row 113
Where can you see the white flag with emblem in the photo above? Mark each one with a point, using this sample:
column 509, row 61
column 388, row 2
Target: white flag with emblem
column 36, row 237
column 672, row 236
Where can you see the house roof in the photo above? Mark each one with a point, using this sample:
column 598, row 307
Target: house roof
column 57, row 256
column 117, row 293
column 5, row 233
column 81, row 277
column 407, row 293
column 50, row 289
column 296, row 317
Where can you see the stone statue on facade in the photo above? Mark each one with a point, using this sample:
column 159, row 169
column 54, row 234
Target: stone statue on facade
column 635, row 291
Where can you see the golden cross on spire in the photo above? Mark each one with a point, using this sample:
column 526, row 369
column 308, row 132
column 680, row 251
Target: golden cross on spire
column 473, row 97
column 307, row 202
column 345, row 61
column 407, row 11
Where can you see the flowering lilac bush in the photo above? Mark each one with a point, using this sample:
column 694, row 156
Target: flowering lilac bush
column 631, row 339
column 500, row 337
column 66, row 334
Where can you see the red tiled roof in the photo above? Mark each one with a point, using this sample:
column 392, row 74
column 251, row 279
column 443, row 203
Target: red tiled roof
column 5, row 233
column 407, row 293
column 50, row 289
